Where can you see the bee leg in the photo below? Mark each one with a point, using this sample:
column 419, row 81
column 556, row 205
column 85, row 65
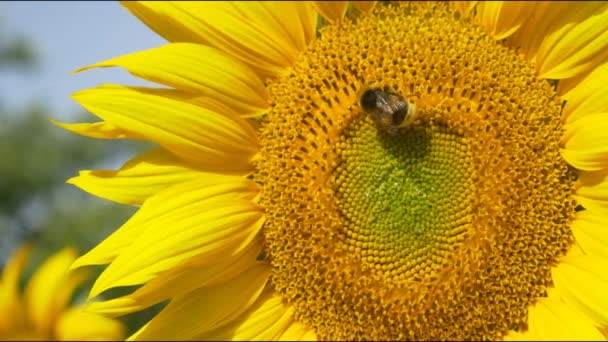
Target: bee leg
column 392, row 130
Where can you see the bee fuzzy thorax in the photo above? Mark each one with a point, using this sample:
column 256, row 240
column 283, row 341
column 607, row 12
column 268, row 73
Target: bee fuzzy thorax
column 389, row 110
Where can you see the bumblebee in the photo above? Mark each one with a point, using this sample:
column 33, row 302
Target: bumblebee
column 389, row 110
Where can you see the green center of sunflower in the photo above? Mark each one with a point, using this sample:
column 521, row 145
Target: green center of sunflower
column 445, row 229
column 406, row 198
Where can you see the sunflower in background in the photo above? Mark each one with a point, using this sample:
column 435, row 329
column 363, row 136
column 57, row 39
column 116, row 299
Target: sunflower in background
column 43, row 313
column 278, row 206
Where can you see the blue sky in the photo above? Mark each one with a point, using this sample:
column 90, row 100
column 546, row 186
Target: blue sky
column 69, row 35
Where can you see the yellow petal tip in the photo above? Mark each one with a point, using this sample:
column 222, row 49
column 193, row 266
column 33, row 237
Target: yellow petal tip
column 85, row 68
column 59, row 123
column 74, row 72
column 77, row 264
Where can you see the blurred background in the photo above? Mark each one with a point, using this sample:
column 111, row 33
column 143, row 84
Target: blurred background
column 40, row 44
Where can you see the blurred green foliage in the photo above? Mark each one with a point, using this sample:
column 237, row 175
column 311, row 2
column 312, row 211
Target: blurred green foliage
column 17, row 53
column 35, row 202
column 36, row 158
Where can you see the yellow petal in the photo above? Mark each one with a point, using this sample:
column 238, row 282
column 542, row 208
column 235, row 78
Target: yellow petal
column 211, row 222
column 464, row 7
column 297, row 331
column 540, row 20
column 50, row 289
column 293, row 21
column 174, row 199
column 14, row 266
column 565, row 86
column 265, row 321
column 224, row 230
column 546, row 18
column 106, row 130
column 199, row 69
column 180, row 280
column 310, row 335
column 604, row 331
column 78, row 325
column 502, row 18
column 257, row 38
column 586, row 142
column 578, row 44
column 592, row 191
column 553, row 320
column 138, row 179
column 591, row 233
column 333, row 11
column 308, row 19
column 215, row 142
column 11, row 312
column 294, row 331
column 364, row 6
column 521, row 336
column 98, row 130
column 582, row 282
column 586, row 95
column 197, row 312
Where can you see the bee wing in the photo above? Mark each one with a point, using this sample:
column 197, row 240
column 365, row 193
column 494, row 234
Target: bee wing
column 383, row 104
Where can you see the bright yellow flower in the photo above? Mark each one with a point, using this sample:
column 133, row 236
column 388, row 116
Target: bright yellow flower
column 43, row 313
column 275, row 208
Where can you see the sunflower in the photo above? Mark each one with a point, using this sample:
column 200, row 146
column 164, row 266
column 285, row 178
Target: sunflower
column 43, row 312
column 285, row 200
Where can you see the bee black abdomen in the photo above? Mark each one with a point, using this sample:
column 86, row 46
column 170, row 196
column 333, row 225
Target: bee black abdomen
column 369, row 100
column 399, row 115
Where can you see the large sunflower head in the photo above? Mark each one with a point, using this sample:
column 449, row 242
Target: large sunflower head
column 408, row 171
column 43, row 311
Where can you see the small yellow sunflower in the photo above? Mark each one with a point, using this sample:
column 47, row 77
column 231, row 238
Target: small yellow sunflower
column 425, row 171
column 43, row 312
